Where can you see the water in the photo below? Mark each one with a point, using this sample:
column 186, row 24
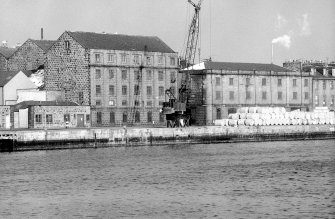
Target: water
column 242, row 180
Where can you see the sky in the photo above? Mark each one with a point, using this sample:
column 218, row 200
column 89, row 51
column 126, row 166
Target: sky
column 230, row 30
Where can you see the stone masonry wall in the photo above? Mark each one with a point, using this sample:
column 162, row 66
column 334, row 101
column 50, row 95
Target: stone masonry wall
column 3, row 63
column 29, row 56
column 67, row 70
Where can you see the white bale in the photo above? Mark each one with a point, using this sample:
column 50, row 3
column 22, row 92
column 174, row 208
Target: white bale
column 243, row 115
column 241, row 122
column 249, row 122
column 232, row 122
column 217, row 122
column 252, row 116
column 243, row 110
column 252, row 109
column 233, row 116
column 331, row 121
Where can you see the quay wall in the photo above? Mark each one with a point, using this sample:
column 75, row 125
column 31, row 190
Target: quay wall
column 105, row 137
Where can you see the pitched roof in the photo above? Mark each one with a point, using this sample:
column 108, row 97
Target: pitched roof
column 7, row 52
column 25, row 104
column 235, row 66
column 6, row 76
column 44, row 44
column 91, row 40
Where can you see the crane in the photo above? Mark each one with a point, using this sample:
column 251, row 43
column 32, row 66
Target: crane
column 175, row 110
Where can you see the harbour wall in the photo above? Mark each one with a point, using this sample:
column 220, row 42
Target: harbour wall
column 20, row 140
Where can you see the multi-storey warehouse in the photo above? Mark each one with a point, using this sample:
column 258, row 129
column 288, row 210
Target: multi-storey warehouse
column 220, row 88
column 122, row 77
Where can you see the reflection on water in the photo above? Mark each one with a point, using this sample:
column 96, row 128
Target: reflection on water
column 241, row 180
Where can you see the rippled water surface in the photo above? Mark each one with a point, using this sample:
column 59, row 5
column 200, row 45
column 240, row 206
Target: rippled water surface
column 241, row 180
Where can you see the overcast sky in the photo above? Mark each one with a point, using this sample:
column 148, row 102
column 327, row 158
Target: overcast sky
column 231, row 30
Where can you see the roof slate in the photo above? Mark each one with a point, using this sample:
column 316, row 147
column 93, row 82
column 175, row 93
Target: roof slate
column 7, row 52
column 6, row 76
column 44, row 44
column 235, row 66
column 91, row 40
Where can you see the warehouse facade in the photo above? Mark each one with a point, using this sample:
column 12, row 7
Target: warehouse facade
column 123, row 78
column 220, row 88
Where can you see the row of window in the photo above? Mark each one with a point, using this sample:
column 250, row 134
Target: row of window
column 264, row 82
column 111, row 102
column 126, row 117
column 137, row 75
column 136, row 59
column 264, row 95
column 49, row 118
column 324, row 102
column 137, row 90
column 324, row 84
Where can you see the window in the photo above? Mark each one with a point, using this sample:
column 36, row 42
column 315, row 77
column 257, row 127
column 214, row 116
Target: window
column 161, row 117
column 264, row 95
column 172, row 61
column 161, row 91
column 306, row 96
column 324, row 100
column 149, row 103
column 124, row 74
column 149, row 117
column 48, row 118
column 149, row 91
column 111, row 90
column 149, row 75
column 173, row 90
column 97, row 58
column 124, row 59
column 332, row 100
column 231, row 95
column 66, row 117
column 137, row 117
column 306, row 82
column 160, row 60
column 38, row 118
column 280, row 95
column 137, row 89
column 137, row 76
column 279, row 82
column 263, row 81
column 331, row 85
column 218, row 113
column 67, row 45
column 124, row 90
column 111, row 102
column 81, row 97
column 160, row 75
column 137, row 59
column 247, row 95
column 247, row 81
column 324, row 84
column 98, row 90
column 98, row 102
column 111, row 73
column 294, row 82
column 148, row 59
column 124, row 117
column 87, row 118
column 218, row 95
column 111, row 57
column 231, row 81
column 316, row 100
column 160, row 103
column 172, row 77
column 99, row 117
column 137, row 103
column 124, row 103
column 295, row 95
column 217, row 81
column 112, row 117
column 97, row 73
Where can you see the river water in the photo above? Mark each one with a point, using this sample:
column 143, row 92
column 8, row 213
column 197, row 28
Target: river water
column 294, row 179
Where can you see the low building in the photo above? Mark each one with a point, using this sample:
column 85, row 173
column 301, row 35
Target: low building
column 4, row 117
column 323, row 77
column 49, row 115
column 5, row 53
column 11, row 82
column 31, row 55
column 220, row 88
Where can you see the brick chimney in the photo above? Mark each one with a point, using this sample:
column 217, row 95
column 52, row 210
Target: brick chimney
column 325, row 72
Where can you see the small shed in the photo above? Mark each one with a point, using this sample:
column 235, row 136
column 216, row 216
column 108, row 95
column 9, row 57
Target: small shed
column 49, row 114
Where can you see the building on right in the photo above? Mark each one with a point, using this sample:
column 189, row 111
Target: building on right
column 323, row 78
column 220, row 88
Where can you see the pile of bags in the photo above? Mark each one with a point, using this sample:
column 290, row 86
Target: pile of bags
column 262, row 116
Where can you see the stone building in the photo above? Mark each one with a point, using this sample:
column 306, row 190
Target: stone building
column 220, row 88
column 31, row 55
column 323, row 78
column 5, row 53
column 122, row 77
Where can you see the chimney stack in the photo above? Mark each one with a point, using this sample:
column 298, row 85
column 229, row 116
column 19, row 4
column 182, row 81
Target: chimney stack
column 42, row 33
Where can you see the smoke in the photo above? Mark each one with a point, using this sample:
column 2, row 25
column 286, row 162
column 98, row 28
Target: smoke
column 284, row 40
